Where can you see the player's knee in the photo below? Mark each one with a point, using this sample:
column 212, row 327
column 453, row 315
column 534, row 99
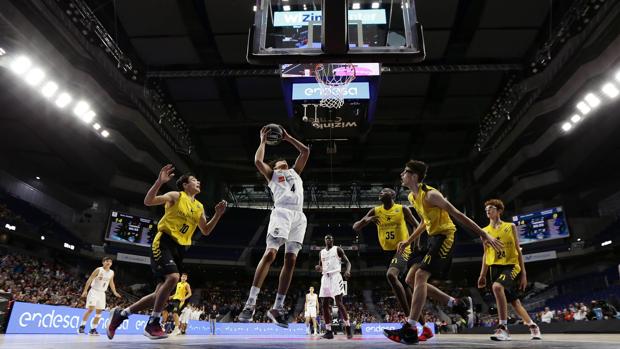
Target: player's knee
column 421, row 277
column 290, row 258
column 270, row 255
column 173, row 278
column 497, row 287
column 392, row 277
column 410, row 279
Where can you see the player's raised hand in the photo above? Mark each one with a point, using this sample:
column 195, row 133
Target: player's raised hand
column 220, row 208
column 285, row 134
column 263, row 134
column 318, row 268
column 166, row 173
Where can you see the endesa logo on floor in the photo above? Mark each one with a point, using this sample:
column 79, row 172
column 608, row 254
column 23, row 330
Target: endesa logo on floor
column 40, row 318
column 245, row 329
column 376, row 329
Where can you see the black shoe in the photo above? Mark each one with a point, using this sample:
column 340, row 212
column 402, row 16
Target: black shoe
column 347, row 330
column 93, row 332
column 278, row 317
column 328, row 335
column 465, row 307
column 81, row 329
column 404, row 335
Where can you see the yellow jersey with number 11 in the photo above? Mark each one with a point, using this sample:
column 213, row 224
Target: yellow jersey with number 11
column 181, row 219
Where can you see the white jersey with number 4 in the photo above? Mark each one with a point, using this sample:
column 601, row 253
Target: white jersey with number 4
column 102, row 280
column 330, row 261
column 287, row 189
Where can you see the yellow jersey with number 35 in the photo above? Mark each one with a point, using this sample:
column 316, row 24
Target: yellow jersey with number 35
column 509, row 254
column 181, row 219
column 391, row 228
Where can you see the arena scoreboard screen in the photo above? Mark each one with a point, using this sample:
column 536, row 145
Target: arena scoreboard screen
column 548, row 224
column 130, row 229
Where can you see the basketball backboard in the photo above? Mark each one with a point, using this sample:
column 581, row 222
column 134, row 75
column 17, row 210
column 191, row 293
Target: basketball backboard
column 328, row 31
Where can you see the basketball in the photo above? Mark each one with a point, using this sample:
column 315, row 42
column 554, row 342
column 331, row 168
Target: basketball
column 274, row 137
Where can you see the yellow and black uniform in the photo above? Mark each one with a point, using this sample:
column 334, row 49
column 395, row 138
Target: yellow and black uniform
column 504, row 265
column 440, row 230
column 178, row 299
column 392, row 229
column 174, row 235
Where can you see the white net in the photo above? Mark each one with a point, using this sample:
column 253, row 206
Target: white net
column 334, row 79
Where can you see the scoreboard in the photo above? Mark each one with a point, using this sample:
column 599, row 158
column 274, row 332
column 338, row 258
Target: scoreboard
column 548, row 224
column 130, row 229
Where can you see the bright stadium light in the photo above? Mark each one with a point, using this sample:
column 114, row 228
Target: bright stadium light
column 356, row 6
column 375, row 5
column 608, row 242
column 42, row 237
column 286, row 7
column 96, row 126
column 567, row 126
column 610, row 90
column 583, row 108
column 88, row 117
column 575, row 118
column 34, row 77
column 38, row 178
column 105, row 133
column 20, row 65
column 592, row 100
column 81, row 108
column 63, row 100
column 49, row 89
column 254, row 8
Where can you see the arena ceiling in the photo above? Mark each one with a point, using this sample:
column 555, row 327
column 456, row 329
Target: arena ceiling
column 432, row 111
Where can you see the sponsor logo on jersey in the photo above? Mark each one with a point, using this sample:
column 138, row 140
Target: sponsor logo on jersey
column 281, row 179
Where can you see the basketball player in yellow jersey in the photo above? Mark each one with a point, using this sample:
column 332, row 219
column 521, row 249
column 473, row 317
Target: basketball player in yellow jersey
column 435, row 212
column 176, row 304
column 391, row 220
column 506, row 266
column 183, row 213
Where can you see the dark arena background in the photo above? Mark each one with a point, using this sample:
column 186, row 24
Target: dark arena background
column 515, row 100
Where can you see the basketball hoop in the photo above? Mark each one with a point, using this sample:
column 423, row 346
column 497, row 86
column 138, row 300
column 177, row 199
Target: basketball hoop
column 333, row 79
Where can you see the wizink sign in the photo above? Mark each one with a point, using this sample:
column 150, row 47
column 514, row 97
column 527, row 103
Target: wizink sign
column 311, row 91
column 301, row 18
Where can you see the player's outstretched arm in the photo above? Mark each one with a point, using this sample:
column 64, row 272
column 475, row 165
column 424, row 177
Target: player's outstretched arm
column 367, row 219
column 304, row 151
column 259, row 157
column 435, row 198
column 207, row 227
column 152, row 199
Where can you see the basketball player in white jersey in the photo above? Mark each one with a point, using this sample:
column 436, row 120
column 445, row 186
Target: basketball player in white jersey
column 287, row 225
column 332, row 285
column 311, row 310
column 95, row 297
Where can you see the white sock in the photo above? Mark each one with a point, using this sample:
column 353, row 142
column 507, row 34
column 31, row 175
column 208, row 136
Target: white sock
column 531, row 323
column 451, row 302
column 279, row 301
column 328, row 327
column 411, row 322
column 503, row 322
column 83, row 323
column 155, row 314
column 126, row 312
column 254, row 291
